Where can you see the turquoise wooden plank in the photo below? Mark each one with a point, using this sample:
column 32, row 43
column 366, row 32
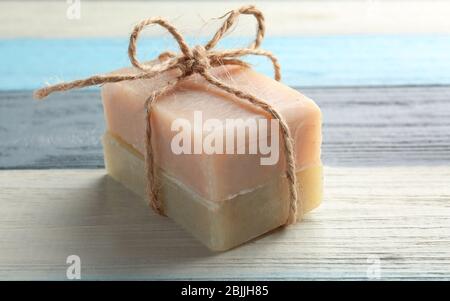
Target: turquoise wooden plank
column 351, row 60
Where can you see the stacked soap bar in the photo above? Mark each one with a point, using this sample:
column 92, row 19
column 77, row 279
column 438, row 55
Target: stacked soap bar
column 222, row 198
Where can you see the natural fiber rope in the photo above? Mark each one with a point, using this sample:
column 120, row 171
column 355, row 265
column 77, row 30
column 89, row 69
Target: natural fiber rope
column 197, row 60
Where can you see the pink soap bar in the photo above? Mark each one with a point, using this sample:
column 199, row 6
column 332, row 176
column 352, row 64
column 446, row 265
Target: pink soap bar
column 213, row 176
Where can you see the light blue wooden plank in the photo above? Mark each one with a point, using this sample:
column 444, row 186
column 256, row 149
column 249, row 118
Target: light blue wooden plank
column 306, row 61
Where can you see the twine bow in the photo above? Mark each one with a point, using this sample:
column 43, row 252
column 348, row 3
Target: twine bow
column 196, row 60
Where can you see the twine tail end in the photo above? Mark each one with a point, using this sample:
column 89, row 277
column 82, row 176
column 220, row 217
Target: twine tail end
column 40, row 94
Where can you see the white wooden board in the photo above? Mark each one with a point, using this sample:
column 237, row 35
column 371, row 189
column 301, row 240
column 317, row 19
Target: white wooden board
column 395, row 220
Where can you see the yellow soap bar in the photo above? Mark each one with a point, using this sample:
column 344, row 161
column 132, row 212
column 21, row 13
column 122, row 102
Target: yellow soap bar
column 218, row 225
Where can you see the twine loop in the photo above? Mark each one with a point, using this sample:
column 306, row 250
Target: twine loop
column 197, row 60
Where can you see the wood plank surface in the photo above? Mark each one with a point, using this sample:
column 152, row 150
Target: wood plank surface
column 363, row 126
column 393, row 219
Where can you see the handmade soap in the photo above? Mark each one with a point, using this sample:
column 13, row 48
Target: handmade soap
column 224, row 196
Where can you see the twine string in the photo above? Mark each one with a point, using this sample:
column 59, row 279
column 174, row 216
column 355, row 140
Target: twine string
column 196, row 60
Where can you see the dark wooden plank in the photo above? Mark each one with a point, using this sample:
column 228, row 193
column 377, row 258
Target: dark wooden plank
column 385, row 125
column 363, row 126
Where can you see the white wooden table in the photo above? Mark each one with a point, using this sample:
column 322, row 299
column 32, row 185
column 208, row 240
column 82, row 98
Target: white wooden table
column 390, row 222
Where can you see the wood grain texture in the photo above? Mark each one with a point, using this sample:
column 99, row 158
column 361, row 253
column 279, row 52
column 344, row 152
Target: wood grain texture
column 363, row 126
column 400, row 215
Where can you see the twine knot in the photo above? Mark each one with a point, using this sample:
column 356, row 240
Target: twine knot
column 196, row 60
